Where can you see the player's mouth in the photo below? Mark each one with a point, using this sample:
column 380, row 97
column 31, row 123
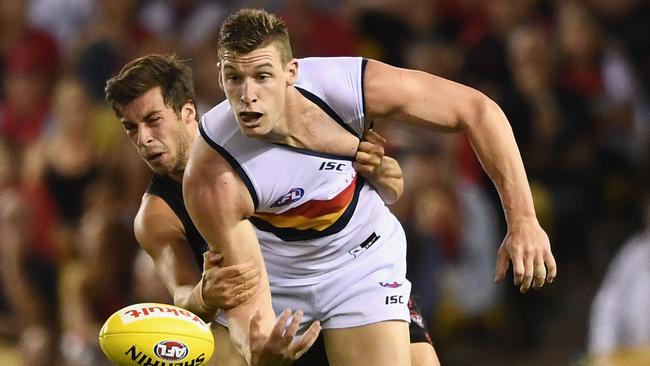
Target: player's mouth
column 155, row 158
column 250, row 119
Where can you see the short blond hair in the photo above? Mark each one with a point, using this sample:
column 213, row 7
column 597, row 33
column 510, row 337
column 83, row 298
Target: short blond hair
column 249, row 29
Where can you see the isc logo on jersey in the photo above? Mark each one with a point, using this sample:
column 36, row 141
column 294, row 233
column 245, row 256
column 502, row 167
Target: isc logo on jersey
column 156, row 334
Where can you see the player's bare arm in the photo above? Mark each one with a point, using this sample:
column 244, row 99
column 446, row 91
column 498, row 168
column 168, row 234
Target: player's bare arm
column 219, row 205
column 425, row 100
column 382, row 171
column 162, row 236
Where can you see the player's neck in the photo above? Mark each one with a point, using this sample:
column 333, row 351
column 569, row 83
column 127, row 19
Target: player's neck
column 294, row 124
column 177, row 176
column 304, row 125
column 289, row 122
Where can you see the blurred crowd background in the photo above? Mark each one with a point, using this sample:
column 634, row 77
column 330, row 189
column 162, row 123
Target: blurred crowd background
column 573, row 77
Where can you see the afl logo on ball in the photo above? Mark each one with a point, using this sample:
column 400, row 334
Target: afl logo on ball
column 170, row 350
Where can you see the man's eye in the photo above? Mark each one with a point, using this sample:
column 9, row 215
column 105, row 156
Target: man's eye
column 263, row 76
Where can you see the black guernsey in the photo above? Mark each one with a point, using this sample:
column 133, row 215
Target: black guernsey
column 172, row 192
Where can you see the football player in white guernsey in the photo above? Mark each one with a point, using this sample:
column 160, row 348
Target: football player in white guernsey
column 154, row 98
column 280, row 148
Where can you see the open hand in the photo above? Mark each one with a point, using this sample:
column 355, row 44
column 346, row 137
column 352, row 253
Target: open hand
column 282, row 346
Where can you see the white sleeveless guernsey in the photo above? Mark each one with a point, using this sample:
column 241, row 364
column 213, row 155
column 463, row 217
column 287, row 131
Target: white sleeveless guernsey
column 314, row 216
column 311, row 209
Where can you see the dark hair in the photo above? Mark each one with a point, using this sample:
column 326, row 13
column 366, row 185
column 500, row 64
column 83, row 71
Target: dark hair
column 142, row 74
column 249, row 29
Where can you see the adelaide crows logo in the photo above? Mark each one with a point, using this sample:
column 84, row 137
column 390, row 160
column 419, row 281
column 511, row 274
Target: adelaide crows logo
column 295, row 194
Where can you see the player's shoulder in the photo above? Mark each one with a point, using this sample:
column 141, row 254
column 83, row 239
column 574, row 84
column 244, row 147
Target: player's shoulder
column 219, row 124
column 156, row 222
column 324, row 69
column 336, row 85
column 331, row 61
column 220, row 112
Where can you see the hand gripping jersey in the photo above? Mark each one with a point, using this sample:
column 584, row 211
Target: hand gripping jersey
column 313, row 213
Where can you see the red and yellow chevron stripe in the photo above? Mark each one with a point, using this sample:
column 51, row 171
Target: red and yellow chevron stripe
column 315, row 214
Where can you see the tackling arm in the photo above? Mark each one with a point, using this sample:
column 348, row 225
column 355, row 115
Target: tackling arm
column 162, row 235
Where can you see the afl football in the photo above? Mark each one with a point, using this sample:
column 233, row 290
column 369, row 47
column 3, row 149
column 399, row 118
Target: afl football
column 156, row 334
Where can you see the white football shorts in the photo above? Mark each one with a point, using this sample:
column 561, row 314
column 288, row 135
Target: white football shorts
column 369, row 289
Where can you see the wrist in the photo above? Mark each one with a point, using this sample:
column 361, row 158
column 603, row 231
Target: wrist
column 521, row 219
column 520, row 211
column 205, row 311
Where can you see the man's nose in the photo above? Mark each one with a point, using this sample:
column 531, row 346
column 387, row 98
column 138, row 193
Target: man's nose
column 144, row 136
column 249, row 92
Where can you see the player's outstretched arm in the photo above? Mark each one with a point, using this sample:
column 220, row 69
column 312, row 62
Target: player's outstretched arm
column 425, row 100
column 382, row 171
column 219, row 204
column 162, row 235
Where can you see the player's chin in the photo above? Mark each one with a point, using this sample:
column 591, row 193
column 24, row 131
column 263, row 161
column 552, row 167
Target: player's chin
column 159, row 168
column 256, row 131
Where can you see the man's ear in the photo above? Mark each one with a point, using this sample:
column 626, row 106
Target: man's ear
column 188, row 112
column 219, row 77
column 292, row 71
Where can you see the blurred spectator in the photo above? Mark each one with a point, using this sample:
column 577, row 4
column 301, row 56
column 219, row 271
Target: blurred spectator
column 113, row 34
column 436, row 56
column 29, row 268
column 627, row 25
column 620, row 313
column 431, row 210
column 64, row 162
column 25, row 110
column 65, row 19
column 100, row 280
column 580, row 46
column 24, row 49
column 8, row 188
column 28, row 74
column 183, row 25
column 384, row 34
column 206, row 76
column 318, row 30
column 598, row 68
column 484, row 36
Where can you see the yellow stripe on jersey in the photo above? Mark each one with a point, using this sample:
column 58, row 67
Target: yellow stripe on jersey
column 298, row 222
